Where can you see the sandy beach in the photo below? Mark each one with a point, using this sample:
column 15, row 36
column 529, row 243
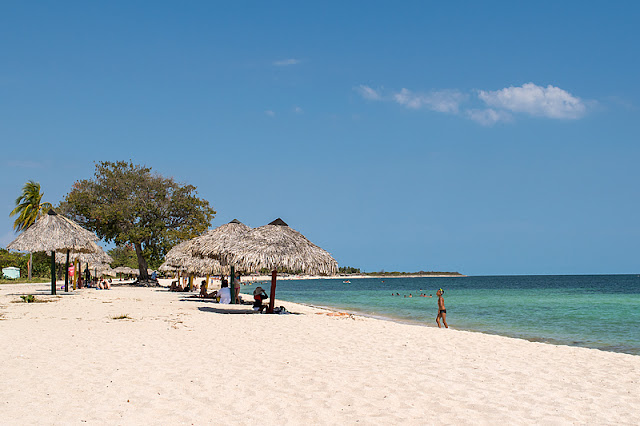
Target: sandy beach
column 171, row 359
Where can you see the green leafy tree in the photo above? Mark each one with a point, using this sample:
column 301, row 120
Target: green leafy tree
column 348, row 270
column 29, row 207
column 127, row 203
column 124, row 256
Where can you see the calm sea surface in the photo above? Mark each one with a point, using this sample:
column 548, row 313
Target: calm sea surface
column 599, row 311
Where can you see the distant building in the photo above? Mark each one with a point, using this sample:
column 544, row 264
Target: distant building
column 11, row 272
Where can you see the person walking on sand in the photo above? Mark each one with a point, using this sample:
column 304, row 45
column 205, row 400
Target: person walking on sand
column 442, row 312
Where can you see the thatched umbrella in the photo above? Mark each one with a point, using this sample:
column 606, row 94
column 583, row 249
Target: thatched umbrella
column 214, row 242
column 98, row 257
column 125, row 270
column 54, row 232
column 97, row 260
column 181, row 258
column 277, row 246
column 104, row 269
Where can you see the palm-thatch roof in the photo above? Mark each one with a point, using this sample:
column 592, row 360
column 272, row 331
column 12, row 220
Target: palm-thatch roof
column 98, row 257
column 217, row 240
column 180, row 258
column 125, row 270
column 54, row 232
column 105, row 269
column 276, row 246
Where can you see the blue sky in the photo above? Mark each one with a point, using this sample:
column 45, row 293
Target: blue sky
column 480, row 137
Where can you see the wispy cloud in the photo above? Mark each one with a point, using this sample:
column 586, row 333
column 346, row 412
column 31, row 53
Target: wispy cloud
column 368, row 93
column 270, row 113
column 488, row 117
column 286, row 62
column 550, row 101
column 298, row 110
column 488, row 107
column 447, row 101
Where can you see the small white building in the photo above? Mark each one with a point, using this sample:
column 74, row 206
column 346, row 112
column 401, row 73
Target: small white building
column 11, row 272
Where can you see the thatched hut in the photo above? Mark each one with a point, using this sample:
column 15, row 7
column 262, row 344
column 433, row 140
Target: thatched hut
column 181, row 259
column 98, row 257
column 53, row 232
column 276, row 246
column 216, row 241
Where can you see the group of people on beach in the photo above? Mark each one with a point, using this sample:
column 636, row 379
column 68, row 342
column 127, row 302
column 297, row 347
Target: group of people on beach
column 224, row 294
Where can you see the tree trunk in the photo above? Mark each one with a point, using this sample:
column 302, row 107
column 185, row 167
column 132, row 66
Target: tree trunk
column 142, row 264
column 29, row 265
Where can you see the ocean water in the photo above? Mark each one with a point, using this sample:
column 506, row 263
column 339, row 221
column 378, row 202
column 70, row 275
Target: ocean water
column 599, row 311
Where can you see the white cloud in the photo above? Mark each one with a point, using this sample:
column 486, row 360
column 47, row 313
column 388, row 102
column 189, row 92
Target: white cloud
column 298, row 110
column 286, row 62
column 550, row 101
column 270, row 113
column 488, row 117
column 441, row 101
column 368, row 93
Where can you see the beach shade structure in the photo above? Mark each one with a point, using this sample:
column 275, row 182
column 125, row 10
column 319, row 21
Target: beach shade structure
column 104, row 269
column 125, row 270
column 95, row 258
column 98, row 259
column 276, row 246
column 53, row 232
column 214, row 242
column 181, row 258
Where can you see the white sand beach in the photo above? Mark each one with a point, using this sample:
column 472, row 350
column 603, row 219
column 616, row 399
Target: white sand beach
column 180, row 360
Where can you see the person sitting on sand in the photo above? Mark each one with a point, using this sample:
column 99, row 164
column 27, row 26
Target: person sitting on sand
column 258, row 296
column 224, row 293
column 442, row 312
column 203, row 289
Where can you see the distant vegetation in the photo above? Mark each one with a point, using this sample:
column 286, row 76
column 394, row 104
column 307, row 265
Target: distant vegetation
column 396, row 273
column 126, row 256
column 41, row 264
column 352, row 270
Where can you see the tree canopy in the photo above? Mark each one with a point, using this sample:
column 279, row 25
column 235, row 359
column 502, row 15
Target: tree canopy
column 127, row 203
column 29, row 206
column 125, row 256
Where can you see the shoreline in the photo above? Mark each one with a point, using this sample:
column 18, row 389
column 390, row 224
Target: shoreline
column 532, row 339
column 164, row 283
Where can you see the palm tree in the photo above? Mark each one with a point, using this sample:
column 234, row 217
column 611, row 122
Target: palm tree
column 29, row 208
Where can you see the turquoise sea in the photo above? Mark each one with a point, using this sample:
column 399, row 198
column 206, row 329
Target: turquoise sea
column 599, row 311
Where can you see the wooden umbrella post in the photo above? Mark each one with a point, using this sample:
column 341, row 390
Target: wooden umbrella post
column 66, row 273
column 232, row 286
column 53, row 272
column 76, row 266
column 272, row 295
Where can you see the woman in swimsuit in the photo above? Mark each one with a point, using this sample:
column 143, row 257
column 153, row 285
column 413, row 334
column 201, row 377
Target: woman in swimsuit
column 442, row 312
